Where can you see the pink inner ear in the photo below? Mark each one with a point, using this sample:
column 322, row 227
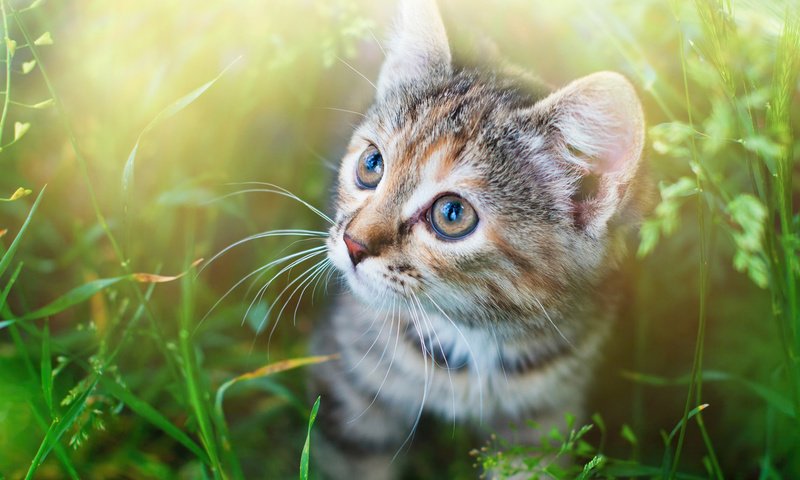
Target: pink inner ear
column 616, row 157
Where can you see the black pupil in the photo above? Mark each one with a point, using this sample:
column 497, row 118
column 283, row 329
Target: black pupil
column 373, row 162
column 452, row 211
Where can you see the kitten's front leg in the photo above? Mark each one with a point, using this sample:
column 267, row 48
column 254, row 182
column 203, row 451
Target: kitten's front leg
column 357, row 435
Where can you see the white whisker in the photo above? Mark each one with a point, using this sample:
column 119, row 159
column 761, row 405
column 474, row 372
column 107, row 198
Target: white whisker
column 300, row 278
column 255, row 272
column 552, row 322
column 272, row 188
column 471, row 354
column 336, row 109
column 261, row 291
column 427, row 380
column 272, row 233
column 444, row 356
column 357, row 72
column 389, row 369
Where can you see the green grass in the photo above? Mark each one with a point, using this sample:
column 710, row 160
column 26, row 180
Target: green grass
column 114, row 366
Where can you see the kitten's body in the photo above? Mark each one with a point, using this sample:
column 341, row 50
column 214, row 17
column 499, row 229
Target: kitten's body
column 503, row 324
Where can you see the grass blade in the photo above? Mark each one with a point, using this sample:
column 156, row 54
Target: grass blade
column 267, row 370
column 144, row 410
column 87, row 290
column 194, row 386
column 7, row 289
column 58, row 427
column 71, row 298
column 304, row 458
column 47, row 370
column 9, row 255
column 170, row 110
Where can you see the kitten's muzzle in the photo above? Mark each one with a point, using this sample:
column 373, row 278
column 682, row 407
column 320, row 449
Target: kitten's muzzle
column 357, row 250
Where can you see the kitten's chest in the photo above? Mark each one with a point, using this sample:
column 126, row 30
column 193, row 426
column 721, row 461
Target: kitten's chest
column 407, row 358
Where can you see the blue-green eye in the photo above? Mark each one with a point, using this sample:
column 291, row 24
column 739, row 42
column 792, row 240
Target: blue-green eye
column 452, row 217
column 369, row 169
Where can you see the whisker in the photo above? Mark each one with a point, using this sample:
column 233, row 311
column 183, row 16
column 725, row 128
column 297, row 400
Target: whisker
column 385, row 348
column 272, row 188
column 471, row 353
column 325, row 264
column 427, row 379
column 254, row 272
column 389, row 369
column 500, row 356
column 444, row 356
column 272, row 233
column 336, row 109
column 357, row 72
column 300, row 278
column 377, row 337
column 261, row 291
column 377, row 42
column 325, row 275
column 552, row 322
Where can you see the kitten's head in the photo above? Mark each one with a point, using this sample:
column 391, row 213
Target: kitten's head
column 473, row 193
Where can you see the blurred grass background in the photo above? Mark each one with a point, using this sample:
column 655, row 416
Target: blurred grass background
column 123, row 385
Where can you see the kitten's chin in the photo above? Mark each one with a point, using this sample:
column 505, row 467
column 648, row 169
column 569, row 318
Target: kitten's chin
column 368, row 288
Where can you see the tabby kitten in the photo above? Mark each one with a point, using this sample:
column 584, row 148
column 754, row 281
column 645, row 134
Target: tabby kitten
column 478, row 266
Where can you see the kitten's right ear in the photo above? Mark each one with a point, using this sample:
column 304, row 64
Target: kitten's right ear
column 417, row 48
column 596, row 126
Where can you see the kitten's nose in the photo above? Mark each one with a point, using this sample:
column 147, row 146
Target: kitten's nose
column 357, row 250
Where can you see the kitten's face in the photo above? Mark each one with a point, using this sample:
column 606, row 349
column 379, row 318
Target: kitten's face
column 458, row 191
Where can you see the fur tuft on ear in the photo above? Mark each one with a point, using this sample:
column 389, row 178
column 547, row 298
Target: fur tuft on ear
column 417, row 47
column 596, row 126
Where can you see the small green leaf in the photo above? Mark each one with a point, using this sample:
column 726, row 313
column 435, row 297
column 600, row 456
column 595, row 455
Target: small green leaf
column 5, row 261
column 670, row 138
column 18, row 193
column 11, row 46
column 44, row 39
column 20, row 129
column 594, row 464
column 749, row 214
column 304, row 458
column 767, row 149
column 628, row 435
column 691, row 414
column 27, row 67
column 649, row 233
column 43, row 104
column 58, row 427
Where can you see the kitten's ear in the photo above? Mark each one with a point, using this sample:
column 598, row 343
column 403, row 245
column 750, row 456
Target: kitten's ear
column 596, row 125
column 417, row 47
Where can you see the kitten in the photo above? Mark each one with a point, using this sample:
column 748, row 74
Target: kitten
column 477, row 263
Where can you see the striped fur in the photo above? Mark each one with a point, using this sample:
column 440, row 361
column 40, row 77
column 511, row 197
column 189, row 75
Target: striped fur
column 505, row 324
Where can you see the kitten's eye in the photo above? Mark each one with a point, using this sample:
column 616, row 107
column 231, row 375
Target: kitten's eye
column 369, row 169
column 452, row 217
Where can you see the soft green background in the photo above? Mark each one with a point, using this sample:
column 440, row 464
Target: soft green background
column 279, row 115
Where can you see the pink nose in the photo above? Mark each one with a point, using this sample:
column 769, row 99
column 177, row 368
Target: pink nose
column 356, row 250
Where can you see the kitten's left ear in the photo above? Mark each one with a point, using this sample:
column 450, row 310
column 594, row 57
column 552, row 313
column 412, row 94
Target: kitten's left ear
column 596, row 125
column 417, row 48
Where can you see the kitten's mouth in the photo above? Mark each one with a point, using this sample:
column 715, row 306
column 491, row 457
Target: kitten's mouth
column 367, row 279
